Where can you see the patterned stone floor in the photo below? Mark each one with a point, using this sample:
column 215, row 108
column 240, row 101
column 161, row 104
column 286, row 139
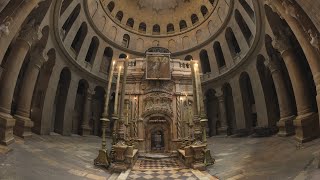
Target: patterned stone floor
column 159, row 169
column 58, row 157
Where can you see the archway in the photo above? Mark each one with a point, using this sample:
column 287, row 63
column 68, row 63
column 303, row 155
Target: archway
column 212, row 105
column 230, row 110
column 248, row 101
column 60, row 100
column 79, row 106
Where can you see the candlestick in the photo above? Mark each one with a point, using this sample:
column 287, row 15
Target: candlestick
column 117, row 91
column 103, row 158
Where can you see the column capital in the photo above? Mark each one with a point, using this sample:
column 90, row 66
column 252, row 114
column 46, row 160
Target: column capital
column 290, row 9
column 38, row 57
column 219, row 93
column 272, row 65
column 281, row 42
column 30, row 33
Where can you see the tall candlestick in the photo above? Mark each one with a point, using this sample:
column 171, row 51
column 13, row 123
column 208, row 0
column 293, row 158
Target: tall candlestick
column 116, row 100
column 103, row 158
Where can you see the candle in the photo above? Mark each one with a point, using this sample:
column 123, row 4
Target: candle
column 106, row 104
column 117, row 91
column 196, row 76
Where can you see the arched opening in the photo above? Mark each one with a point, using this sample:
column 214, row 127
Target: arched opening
column 219, row 55
column 41, row 90
column 182, row 25
column 204, row 60
column 64, row 6
column 213, row 113
column 97, row 110
column 79, row 38
column 170, row 28
column 204, row 10
column 106, row 60
column 230, row 110
column 247, row 8
column 269, row 91
column 130, row 22
column 248, row 100
column 77, row 119
column 142, row 27
column 123, row 56
column 119, row 16
column 156, row 29
column 69, row 22
column 60, row 101
column 126, row 40
column 92, row 51
column 188, row 58
column 194, row 19
column 232, row 43
column 243, row 27
column 110, row 6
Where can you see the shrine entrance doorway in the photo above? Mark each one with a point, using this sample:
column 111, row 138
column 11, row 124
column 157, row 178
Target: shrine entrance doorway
column 157, row 135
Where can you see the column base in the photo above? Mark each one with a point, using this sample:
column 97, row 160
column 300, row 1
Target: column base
column 223, row 131
column 85, row 131
column 7, row 123
column 23, row 126
column 307, row 127
column 286, row 127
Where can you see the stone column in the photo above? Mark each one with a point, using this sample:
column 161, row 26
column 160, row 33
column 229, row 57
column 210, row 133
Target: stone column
column 287, row 116
column 9, row 78
column 223, row 115
column 292, row 16
column 23, row 122
column 304, row 121
column 86, row 129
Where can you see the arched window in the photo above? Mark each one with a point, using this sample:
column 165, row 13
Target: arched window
column 107, row 59
column 170, row 28
column 69, row 22
column 194, row 18
column 211, row 2
column 204, row 60
column 123, row 56
column 156, row 29
column 188, row 58
column 204, row 11
column 247, row 8
column 183, row 25
column 119, row 15
column 126, row 40
column 130, row 22
column 142, row 27
column 64, row 6
column 92, row 51
column 243, row 27
column 219, row 55
column 79, row 38
column 232, row 42
column 110, row 6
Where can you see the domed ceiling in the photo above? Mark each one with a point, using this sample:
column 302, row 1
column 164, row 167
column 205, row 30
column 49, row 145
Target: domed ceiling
column 158, row 5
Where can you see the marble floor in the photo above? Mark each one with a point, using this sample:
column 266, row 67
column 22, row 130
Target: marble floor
column 60, row 157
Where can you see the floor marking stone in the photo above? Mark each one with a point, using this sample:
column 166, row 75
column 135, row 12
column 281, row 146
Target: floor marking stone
column 239, row 176
column 124, row 175
column 95, row 177
column 199, row 174
column 114, row 176
column 77, row 172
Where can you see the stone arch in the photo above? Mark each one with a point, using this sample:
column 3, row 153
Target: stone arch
column 79, row 107
column 232, row 42
column 230, row 109
column 70, row 21
column 79, row 38
column 92, row 51
column 243, row 27
column 204, row 60
column 248, row 100
column 213, row 113
column 60, row 100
